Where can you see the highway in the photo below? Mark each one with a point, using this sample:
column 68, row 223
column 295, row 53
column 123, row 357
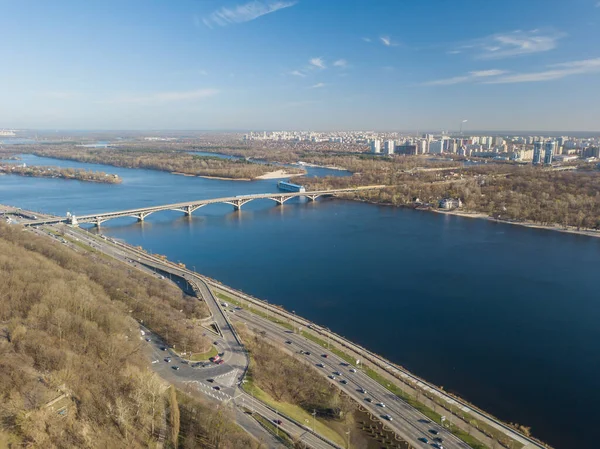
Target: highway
column 407, row 422
column 204, row 379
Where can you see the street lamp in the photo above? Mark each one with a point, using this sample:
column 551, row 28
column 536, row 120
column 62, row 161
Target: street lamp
column 314, row 415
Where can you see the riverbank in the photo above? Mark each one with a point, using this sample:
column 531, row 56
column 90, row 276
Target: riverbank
column 479, row 215
column 278, row 174
column 60, row 173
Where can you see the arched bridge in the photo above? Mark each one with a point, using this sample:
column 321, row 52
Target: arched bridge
column 189, row 207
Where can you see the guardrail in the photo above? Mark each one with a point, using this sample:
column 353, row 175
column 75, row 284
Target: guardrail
column 380, row 362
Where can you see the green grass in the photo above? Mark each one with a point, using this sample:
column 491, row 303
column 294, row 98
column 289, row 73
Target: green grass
column 292, row 411
column 434, row 416
column 260, row 313
column 281, row 435
column 201, row 356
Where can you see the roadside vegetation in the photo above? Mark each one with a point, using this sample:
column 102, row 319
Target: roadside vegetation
column 294, row 389
column 72, row 371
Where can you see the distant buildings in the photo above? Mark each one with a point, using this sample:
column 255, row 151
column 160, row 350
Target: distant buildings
column 549, row 153
column 537, row 152
column 436, row 147
column 7, row 133
column 376, row 146
column 389, row 147
column 407, row 149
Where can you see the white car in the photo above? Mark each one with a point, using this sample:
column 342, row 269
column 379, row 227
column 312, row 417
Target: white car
column 381, row 404
column 352, row 370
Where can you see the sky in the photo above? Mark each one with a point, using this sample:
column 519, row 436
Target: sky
column 300, row 64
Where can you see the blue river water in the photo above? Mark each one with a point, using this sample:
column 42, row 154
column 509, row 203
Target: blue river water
column 505, row 316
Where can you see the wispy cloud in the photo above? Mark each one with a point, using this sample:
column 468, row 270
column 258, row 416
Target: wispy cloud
column 387, row 41
column 318, row 63
column 514, row 43
column 164, row 97
column 298, row 73
column 245, row 13
column 341, row 63
column 554, row 72
column 469, row 77
column 317, row 86
column 367, row 39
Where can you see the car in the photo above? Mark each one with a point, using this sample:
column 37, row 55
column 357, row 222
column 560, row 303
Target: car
column 438, row 439
column 320, row 365
column 437, row 446
column 337, row 373
column 388, row 417
column 277, row 421
column 362, row 390
column 344, row 381
column 332, row 377
column 352, row 370
column 210, row 380
column 424, row 421
column 424, row 440
column 167, row 359
column 307, row 353
column 369, row 400
column 381, row 404
column 175, row 367
column 215, row 342
column 221, row 354
column 433, row 431
column 324, row 355
column 344, row 364
column 220, row 362
column 288, row 342
column 216, row 387
column 148, row 339
column 185, row 362
column 163, row 348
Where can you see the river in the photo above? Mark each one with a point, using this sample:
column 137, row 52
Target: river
column 506, row 316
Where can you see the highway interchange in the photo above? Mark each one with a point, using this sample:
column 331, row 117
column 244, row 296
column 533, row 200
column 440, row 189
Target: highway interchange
column 222, row 382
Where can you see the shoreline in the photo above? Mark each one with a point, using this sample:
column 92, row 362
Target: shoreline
column 482, row 216
column 277, row 174
column 527, row 224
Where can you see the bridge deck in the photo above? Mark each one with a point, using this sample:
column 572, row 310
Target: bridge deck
column 234, row 200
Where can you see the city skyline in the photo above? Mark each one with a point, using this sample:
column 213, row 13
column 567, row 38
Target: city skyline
column 303, row 64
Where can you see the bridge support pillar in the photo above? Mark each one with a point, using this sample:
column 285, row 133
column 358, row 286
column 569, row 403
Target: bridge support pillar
column 188, row 211
column 311, row 197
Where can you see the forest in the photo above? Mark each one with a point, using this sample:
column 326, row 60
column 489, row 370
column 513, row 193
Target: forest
column 72, row 371
column 57, row 172
column 517, row 193
column 159, row 159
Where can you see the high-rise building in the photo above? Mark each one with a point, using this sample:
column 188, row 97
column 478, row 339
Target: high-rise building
column 549, row 153
column 498, row 141
column 537, row 152
column 376, row 146
column 437, row 146
column 389, row 147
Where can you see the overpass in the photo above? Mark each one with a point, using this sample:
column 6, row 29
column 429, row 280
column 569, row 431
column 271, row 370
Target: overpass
column 189, row 207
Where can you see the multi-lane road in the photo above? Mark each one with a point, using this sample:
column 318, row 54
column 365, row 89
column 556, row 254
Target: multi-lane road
column 217, row 382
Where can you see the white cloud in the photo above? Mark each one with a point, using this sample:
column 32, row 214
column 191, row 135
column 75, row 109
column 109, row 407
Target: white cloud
column 469, row 77
column 514, row 43
column 554, row 72
column 298, row 73
column 341, row 63
column 164, row 97
column 317, row 86
column 318, row 63
column 386, row 40
column 367, row 39
column 245, row 13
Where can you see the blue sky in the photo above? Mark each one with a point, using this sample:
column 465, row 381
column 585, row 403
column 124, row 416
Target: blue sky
column 305, row 64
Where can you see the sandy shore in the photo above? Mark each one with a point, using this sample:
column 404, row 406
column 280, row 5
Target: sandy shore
column 278, row 174
column 527, row 224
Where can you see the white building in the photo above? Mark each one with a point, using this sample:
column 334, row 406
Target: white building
column 376, row 146
column 389, row 147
